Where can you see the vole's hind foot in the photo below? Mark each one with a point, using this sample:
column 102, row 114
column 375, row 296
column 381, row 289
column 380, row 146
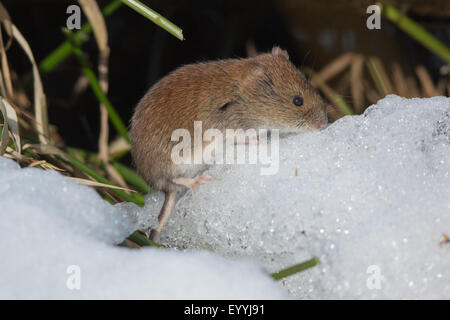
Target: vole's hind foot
column 192, row 183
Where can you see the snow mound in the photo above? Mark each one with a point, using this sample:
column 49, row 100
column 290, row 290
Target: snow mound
column 57, row 242
column 369, row 196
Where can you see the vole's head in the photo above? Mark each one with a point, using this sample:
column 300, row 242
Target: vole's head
column 276, row 95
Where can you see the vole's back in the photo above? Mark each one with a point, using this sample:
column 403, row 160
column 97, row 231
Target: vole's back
column 190, row 93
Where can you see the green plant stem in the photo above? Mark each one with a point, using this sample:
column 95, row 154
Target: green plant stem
column 128, row 174
column 57, row 56
column 113, row 115
column 155, row 17
column 137, row 198
column 142, row 240
column 295, row 269
column 132, row 177
column 108, row 199
column 416, row 31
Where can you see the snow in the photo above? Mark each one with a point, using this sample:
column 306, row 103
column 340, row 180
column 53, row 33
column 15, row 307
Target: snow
column 368, row 195
column 371, row 200
column 53, row 230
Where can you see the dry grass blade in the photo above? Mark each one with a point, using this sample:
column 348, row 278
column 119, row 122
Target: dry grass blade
column 13, row 154
column 428, row 88
column 384, row 76
column 333, row 68
column 412, row 87
column 37, row 163
column 81, row 84
column 372, row 95
column 5, row 135
column 6, row 21
column 95, row 17
column 98, row 184
column 6, row 82
column 440, row 87
column 45, row 165
column 97, row 21
column 45, row 149
column 131, row 244
column 7, row 87
column 356, row 75
column 400, row 81
column 3, row 89
column 119, row 145
column 40, row 105
column 115, row 176
column 13, row 125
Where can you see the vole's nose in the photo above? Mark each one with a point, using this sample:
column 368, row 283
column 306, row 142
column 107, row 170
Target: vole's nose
column 322, row 124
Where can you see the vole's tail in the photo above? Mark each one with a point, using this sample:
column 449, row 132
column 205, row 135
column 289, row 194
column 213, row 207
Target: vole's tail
column 169, row 202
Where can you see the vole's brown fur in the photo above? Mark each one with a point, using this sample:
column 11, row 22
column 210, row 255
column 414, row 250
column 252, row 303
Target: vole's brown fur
column 236, row 94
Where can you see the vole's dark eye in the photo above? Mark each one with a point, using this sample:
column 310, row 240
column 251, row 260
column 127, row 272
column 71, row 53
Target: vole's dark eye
column 297, row 100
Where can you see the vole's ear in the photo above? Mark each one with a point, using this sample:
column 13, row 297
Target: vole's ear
column 280, row 52
column 250, row 73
